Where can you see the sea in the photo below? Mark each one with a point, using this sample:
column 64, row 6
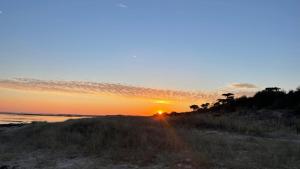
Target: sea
column 15, row 118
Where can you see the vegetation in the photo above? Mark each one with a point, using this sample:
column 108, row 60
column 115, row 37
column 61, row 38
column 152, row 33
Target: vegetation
column 271, row 98
column 267, row 112
column 247, row 132
column 142, row 142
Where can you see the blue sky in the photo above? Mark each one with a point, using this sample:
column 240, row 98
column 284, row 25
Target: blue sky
column 173, row 44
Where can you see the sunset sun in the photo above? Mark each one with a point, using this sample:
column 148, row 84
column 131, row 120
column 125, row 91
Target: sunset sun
column 160, row 112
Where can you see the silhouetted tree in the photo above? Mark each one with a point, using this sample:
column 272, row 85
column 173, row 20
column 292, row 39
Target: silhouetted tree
column 221, row 101
column 204, row 106
column 271, row 97
column 194, row 107
column 216, row 104
column 242, row 101
column 272, row 89
column 229, row 96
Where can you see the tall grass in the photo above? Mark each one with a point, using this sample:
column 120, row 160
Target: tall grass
column 253, row 125
column 151, row 140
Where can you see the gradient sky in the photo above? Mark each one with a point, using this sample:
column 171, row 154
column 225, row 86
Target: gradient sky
column 194, row 45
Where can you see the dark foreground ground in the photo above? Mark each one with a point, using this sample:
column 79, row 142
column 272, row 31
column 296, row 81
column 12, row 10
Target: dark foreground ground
column 187, row 142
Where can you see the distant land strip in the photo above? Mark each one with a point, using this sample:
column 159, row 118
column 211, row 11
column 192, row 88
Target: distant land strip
column 48, row 114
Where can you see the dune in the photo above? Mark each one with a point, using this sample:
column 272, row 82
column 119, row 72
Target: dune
column 182, row 141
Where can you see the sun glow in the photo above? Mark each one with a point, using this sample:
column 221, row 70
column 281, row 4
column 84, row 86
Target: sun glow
column 160, row 112
column 161, row 101
column 13, row 100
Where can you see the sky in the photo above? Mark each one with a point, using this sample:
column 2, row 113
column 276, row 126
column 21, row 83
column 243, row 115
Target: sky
column 138, row 57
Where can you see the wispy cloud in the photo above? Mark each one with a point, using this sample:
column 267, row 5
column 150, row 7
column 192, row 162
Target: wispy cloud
column 1, row 12
column 105, row 88
column 243, row 86
column 122, row 5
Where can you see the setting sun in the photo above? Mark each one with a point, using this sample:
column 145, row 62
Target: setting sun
column 160, row 112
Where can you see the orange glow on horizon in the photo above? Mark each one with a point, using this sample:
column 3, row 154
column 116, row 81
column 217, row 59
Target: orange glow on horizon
column 160, row 112
column 86, row 104
column 161, row 101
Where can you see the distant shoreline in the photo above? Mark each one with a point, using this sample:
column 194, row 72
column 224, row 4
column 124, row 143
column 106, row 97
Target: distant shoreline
column 12, row 125
column 47, row 114
column 66, row 115
column 13, row 118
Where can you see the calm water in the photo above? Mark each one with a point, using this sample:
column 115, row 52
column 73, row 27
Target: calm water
column 21, row 118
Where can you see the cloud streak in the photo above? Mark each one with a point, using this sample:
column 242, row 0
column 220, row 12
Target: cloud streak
column 244, row 86
column 84, row 87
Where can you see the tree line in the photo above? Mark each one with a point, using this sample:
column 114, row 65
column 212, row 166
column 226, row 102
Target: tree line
column 271, row 98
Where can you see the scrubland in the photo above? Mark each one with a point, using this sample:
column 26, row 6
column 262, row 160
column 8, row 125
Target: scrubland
column 192, row 140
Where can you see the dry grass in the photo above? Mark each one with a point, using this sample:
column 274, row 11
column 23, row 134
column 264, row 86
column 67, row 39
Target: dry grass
column 234, row 122
column 175, row 142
